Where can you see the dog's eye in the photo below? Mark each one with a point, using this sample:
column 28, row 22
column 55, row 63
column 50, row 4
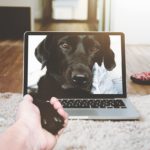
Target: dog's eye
column 65, row 45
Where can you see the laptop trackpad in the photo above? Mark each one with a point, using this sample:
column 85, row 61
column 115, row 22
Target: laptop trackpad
column 86, row 113
column 82, row 112
column 104, row 114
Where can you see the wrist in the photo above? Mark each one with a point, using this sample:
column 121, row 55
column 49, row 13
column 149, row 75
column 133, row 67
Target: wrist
column 33, row 139
column 19, row 134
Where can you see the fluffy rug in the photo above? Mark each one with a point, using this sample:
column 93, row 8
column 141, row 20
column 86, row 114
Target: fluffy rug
column 93, row 135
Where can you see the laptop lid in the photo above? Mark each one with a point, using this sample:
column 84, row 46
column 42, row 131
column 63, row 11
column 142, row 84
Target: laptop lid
column 75, row 64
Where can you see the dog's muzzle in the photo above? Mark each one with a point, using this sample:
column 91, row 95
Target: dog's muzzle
column 79, row 76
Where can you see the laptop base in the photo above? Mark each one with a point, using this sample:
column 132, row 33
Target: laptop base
column 128, row 113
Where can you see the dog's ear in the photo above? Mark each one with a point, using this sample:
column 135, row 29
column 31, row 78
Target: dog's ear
column 42, row 51
column 98, row 57
column 109, row 60
column 105, row 55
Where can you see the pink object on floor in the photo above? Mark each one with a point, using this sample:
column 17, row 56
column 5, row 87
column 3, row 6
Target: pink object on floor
column 141, row 78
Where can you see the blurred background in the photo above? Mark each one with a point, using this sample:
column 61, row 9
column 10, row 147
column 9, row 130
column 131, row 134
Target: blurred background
column 130, row 17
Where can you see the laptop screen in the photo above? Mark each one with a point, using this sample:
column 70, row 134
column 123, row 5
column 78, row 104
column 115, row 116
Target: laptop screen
column 74, row 64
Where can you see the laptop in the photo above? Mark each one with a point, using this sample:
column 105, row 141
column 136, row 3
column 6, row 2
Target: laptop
column 85, row 70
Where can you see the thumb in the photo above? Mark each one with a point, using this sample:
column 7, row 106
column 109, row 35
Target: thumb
column 28, row 97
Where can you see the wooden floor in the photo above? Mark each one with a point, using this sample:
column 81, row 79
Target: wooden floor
column 11, row 61
column 11, row 66
column 137, row 60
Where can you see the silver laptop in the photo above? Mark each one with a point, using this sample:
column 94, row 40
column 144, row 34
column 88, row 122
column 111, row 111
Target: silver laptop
column 85, row 70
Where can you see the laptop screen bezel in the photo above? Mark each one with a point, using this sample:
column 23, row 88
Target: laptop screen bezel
column 25, row 64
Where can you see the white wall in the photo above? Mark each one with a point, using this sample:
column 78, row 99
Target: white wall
column 21, row 3
column 133, row 18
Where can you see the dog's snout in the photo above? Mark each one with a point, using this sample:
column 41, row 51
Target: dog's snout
column 78, row 76
column 79, row 79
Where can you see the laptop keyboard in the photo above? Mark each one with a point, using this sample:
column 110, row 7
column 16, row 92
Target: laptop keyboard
column 92, row 103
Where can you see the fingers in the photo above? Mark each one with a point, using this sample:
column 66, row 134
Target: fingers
column 57, row 105
column 27, row 100
column 53, row 100
column 27, row 104
column 64, row 115
column 27, row 97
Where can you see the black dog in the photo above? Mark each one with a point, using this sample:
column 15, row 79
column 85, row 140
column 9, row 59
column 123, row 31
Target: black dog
column 69, row 60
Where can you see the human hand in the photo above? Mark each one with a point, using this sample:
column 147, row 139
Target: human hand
column 28, row 116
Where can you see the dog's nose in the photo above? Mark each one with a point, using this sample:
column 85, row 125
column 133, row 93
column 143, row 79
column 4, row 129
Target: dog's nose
column 79, row 79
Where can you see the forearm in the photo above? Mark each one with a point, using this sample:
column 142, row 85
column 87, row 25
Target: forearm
column 15, row 137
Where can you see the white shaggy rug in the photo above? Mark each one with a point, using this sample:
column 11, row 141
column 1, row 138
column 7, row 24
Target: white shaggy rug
column 93, row 135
